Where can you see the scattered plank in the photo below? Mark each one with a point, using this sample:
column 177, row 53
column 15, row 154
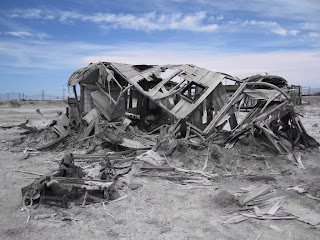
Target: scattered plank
column 263, row 189
column 236, row 219
column 267, row 217
column 158, row 168
column 38, row 174
column 275, row 207
column 257, row 211
column 304, row 213
column 87, row 131
column 54, row 142
column 91, row 116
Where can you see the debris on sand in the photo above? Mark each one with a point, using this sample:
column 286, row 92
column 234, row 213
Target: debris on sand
column 165, row 121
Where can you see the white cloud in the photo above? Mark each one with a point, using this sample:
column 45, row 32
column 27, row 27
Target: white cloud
column 221, row 17
column 199, row 21
column 310, row 26
column 19, row 34
column 279, row 31
column 144, row 22
column 314, row 34
column 42, row 35
column 22, row 34
column 293, row 32
column 262, row 26
column 297, row 67
column 32, row 13
column 275, row 9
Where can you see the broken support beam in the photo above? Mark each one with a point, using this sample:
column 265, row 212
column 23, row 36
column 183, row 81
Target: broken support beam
column 77, row 102
column 106, row 94
column 225, row 109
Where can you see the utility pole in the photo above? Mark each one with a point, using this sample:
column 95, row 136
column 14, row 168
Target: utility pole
column 8, row 97
column 309, row 91
column 22, row 95
column 63, row 93
column 19, row 97
column 42, row 95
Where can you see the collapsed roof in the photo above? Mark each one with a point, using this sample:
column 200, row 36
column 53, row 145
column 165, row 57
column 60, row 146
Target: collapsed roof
column 177, row 89
column 195, row 97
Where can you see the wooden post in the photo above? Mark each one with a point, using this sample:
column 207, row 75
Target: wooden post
column 77, row 103
column 130, row 97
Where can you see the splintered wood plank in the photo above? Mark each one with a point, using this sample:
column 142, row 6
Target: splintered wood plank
column 61, row 130
column 255, row 193
column 216, row 102
column 187, row 109
column 130, row 73
column 206, row 80
column 223, row 95
column 201, row 73
column 216, row 98
column 188, row 68
column 87, row 131
column 225, row 109
column 179, row 105
column 102, row 103
column 155, row 89
column 189, row 71
column 122, row 67
column 275, row 207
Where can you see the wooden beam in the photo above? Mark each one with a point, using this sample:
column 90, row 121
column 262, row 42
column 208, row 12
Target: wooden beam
column 156, row 88
column 106, row 94
column 271, row 86
column 225, row 109
column 77, row 102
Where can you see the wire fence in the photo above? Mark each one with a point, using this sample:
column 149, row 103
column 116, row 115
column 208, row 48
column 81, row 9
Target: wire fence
column 42, row 95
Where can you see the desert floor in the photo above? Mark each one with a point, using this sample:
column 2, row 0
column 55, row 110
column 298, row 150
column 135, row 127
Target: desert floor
column 163, row 209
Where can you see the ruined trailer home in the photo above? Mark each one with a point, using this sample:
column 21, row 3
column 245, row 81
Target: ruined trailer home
column 194, row 97
column 185, row 91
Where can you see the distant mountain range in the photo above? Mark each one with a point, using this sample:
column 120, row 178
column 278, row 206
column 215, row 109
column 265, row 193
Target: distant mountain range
column 15, row 96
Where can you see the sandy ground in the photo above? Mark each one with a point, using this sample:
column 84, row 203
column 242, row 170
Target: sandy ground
column 160, row 209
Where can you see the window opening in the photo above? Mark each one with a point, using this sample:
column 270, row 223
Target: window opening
column 193, row 91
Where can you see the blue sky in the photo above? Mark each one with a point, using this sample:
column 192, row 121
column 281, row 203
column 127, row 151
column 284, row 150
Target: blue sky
column 43, row 42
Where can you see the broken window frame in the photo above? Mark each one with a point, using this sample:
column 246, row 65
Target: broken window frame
column 188, row 88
